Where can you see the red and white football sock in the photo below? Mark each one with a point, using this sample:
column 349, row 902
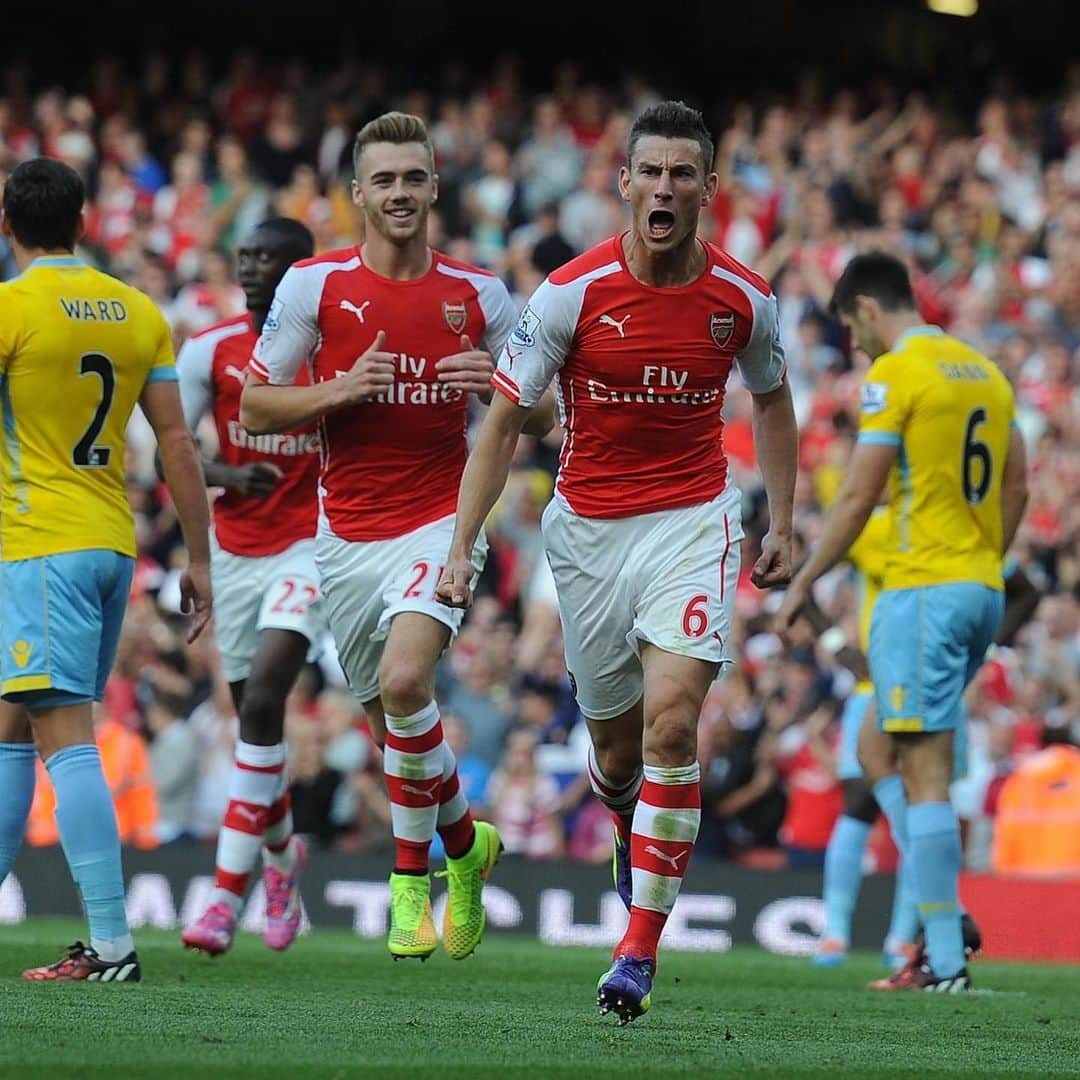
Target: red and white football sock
column 455, row 820
column 277, row 839
column 413, row 764
column 253, row 785
column 620, row 799
column 666, row 824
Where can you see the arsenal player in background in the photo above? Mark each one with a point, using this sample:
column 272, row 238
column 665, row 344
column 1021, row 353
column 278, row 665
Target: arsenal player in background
column 263, row 559
column 399, row 336
column 640, row 334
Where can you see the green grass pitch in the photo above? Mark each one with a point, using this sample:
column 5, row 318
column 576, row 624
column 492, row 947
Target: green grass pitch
column 337, row 1006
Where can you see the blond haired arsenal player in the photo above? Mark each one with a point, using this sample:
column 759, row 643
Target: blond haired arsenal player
column 399, row 336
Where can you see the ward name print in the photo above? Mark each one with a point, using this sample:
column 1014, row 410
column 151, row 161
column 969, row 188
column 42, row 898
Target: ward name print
column 96, row 310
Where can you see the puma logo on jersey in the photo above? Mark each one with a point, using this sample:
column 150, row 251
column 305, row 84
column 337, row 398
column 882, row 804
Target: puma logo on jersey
column 237, row 373
column 619, row 324
column 663, row 856
column 428, row 792
column 20, row 652
column 348, row 305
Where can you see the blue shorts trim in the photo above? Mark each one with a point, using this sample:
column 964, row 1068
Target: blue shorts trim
column 926, row 644
column 61, row 617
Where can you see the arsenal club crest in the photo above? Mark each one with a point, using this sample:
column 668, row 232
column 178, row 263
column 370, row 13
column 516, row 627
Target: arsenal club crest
column 721, row 328
column 456, row 315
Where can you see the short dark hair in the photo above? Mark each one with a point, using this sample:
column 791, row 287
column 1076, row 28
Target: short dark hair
column 876, row 274
column 293, row 235
column 672, row 120
column 43, row 201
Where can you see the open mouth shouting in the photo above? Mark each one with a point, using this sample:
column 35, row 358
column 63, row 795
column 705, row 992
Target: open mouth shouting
column 661, row 224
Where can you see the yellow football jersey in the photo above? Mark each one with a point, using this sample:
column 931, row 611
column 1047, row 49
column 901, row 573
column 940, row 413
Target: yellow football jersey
column 76, row 349
column 948, row 410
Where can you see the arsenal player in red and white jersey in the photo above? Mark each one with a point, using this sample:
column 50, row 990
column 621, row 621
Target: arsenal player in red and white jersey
column 269, row 611
column 398, row 337
column 639, row 335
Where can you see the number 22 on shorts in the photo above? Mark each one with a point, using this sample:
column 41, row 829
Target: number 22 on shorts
column 295, row 598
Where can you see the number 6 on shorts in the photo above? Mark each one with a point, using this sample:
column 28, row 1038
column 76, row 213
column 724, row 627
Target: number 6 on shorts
column 695, row 617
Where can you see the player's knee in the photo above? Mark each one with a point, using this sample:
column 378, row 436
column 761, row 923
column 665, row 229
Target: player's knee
column 619, row 759
column 876, row 755
column 927, row 768
column 859, row 801
column 262, row 713
column 926, row 786
column 671, row 738
column 403, row 687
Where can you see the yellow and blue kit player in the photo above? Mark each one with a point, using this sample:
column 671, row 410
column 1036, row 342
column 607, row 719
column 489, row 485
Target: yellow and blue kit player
column 78, row 350
column 937, row 423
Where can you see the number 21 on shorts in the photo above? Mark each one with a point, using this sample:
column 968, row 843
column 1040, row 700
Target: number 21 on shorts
column 420, row 571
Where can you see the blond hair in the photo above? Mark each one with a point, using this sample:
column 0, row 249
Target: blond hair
column 393, row 127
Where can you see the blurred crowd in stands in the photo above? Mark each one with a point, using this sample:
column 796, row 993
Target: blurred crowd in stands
column 982, row 203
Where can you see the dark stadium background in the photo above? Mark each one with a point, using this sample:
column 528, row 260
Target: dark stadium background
column 709, row 51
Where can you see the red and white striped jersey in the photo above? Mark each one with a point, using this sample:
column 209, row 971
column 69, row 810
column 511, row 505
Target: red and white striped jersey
column 394, row 463
column 640, row 374
column 212, row 367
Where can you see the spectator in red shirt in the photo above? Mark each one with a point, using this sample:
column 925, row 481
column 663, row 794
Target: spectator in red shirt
column 805, row 755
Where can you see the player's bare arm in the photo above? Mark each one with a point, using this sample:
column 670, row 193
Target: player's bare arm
column 468, row 371
column 1014, row 489
column 542, row 416
column 1021, row 602
column 866, row 474
column 265, row 408
column 776, row 439
column 255, row 480
column 852, row 658
column 481, row 484
column 160, row 402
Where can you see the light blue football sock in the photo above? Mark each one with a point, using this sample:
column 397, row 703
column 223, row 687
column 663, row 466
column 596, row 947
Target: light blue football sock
column 935, row 853
column 904, row 924
column 843, row 875
column 17, row 763
column 86, row 819
column 892, row 799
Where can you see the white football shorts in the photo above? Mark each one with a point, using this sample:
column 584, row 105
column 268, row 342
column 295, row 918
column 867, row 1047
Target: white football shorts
column 272, row 592
column 366, row 583
column 668, row 578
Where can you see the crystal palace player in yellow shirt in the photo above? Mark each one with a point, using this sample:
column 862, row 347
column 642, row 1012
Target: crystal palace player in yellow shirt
column 78, row 349
column 937, row 421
